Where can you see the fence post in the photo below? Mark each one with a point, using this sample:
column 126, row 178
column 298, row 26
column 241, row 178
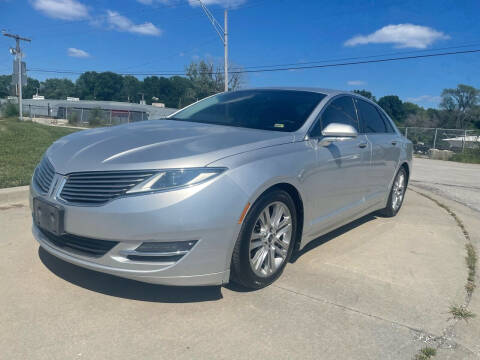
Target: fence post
column 406, row 132
column 110, row 116
column 435, row 138
column 464, row 140
column 81, row 117
column 129, row 116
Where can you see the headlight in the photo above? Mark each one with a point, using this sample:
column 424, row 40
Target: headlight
column 178, row 178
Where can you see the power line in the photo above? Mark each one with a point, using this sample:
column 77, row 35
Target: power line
column 359, row 57
column 360, row 62
column 282, row 68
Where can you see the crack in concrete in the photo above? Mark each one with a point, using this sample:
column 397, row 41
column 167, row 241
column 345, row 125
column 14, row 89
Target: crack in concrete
column 451, row 185
column 439, row 192
column 448, row 333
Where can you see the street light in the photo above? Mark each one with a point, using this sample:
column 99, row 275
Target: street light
column 222, row 33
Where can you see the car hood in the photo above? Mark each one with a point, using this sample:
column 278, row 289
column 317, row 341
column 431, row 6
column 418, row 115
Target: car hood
column 156, row 144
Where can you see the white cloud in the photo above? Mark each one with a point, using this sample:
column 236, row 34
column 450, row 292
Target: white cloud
column 401, row 35
column 425, row 99
column 224, row 3
column 62, row 9
column 73, row 52
column 122, row 23
column 356, row 82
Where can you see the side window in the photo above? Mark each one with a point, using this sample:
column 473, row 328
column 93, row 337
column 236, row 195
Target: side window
column 340, row 110
column 370, row 118
column 390, row 128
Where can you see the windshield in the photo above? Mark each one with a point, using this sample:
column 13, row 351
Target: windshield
column 278, row 110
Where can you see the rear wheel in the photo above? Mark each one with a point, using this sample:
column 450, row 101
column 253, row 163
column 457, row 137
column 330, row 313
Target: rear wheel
column 397, row 194
column 266, row 240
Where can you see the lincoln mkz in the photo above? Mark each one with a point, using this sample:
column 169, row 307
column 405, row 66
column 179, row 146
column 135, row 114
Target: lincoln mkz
column 224, row 189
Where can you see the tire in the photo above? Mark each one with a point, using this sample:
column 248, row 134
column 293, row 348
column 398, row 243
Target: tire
column 397, row 194
column 261, row 252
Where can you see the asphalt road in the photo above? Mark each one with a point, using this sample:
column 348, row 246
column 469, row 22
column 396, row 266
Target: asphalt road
column 456, row 181
column 376, row 289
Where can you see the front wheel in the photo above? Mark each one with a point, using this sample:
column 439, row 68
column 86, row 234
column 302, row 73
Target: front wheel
column 397, row 193
column 266, row 240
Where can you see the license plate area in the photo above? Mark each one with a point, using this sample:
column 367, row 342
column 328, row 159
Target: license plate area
column 48, row 216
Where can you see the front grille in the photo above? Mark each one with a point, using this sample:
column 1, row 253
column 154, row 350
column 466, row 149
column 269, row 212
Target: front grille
column 43, row 175
column 99, row 187
column 81, row 245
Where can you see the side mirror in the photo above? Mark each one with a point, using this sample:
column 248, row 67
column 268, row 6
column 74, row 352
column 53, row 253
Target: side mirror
column 337, row 132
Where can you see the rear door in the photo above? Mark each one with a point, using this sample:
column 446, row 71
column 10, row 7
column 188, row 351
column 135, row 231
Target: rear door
column 385, row 148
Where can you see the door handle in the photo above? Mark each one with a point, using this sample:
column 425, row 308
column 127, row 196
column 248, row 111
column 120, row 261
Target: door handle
column 362, row 145
column 394, row 142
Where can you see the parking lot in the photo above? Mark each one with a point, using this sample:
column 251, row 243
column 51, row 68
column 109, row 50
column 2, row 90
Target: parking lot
column 379, row 288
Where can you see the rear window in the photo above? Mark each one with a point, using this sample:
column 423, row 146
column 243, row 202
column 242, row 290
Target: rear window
column 370, row 118
column 277, row 110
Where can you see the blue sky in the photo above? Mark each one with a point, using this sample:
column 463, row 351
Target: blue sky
column 165, row 35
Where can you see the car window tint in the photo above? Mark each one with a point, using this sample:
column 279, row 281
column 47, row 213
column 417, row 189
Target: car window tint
column 340, row 110
column 278, row 110
column 390, row 128
column 371, row 120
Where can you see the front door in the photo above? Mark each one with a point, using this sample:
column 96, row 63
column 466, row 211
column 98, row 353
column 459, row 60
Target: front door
column 339, row 183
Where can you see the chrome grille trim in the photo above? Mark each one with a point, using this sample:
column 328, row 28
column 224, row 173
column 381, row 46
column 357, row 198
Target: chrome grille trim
column 43, row 175
column 100, row 187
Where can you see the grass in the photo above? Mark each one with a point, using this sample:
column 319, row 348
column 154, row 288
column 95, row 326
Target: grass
column 469, row 156
column 22, row 144
column 426, row 353
column 471, row 260
column 461, row 312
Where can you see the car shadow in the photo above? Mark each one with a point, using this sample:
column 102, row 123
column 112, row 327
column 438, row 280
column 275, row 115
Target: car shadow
column 332, row 235
column 125, row 288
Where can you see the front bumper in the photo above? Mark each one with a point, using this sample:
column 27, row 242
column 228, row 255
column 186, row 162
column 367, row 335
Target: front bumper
column 207, row 213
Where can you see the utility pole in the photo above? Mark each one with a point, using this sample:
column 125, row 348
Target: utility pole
column 18, row 53
column 225, row 45
column 222, row 33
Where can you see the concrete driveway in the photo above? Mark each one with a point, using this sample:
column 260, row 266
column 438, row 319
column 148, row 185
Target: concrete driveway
column 375, row 289
column 455, row 181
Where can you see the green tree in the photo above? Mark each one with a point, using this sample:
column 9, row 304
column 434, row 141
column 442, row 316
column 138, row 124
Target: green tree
column 31, row 88
column 131, row 88
column 108, row 86
column 205, row 79
column 85, row 85
column 393, row 106
column 58, row 88
column 366, row 94
column 461, row 102
column 5, row 85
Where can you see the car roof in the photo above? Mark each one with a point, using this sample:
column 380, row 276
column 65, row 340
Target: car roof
column 329, row 92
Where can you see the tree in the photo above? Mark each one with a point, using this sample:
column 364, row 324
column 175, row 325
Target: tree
column 208, row 79
column 5, row 85
column 131, row 89
column 31, row 88
column 393, row 106
column 58, row 88
column 108, row 86
column 460, row 102
column 85, row 85
column 366, row 94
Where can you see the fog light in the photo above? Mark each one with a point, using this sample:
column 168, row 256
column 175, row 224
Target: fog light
column 166, row 247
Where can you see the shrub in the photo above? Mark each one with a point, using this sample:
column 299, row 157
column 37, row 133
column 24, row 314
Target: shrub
column 10, row 109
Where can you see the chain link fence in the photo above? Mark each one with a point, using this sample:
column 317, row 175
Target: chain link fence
column 84, row 117
column 450, row 140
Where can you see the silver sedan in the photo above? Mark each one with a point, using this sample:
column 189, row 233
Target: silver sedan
column 225, row 189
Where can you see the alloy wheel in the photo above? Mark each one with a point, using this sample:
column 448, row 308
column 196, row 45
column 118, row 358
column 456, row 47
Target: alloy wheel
column 398, row 191
column 270, row 239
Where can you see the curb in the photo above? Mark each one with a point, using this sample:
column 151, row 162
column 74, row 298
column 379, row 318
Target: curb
column 14, row 194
